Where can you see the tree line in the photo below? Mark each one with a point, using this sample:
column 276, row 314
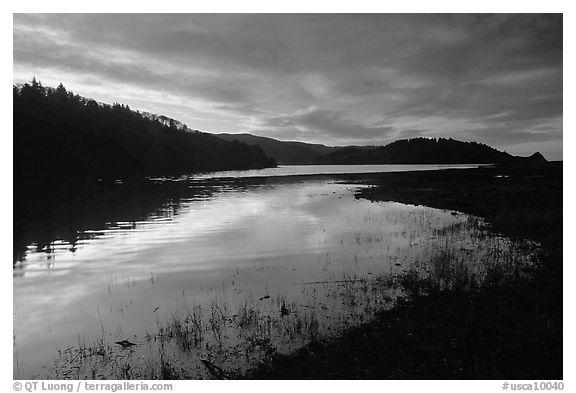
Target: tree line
column 419, row 151
column 61, row 137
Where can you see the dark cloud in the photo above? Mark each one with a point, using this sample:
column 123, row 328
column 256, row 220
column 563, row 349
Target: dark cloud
column 500, row 137
column 520, row 96
column 367, row 77
column 82, row 59
column 329, row 124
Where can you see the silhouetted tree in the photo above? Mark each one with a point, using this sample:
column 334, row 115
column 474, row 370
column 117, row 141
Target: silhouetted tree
column 419, row 151
column 63, row 138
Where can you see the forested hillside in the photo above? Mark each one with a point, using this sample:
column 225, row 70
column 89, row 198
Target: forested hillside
column 419, row 151
column 62, row 137
column 284, row 152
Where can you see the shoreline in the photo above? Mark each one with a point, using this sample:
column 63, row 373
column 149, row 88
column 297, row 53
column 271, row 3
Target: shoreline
column 512, row 330
column 509, row 331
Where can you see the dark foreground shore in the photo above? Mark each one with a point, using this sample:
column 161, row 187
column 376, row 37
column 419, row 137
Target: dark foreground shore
column 510, row 330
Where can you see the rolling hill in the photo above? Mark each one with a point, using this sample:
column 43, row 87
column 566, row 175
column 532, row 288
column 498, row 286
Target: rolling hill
column 419, row 151
column 285, row 153
column 404, row 151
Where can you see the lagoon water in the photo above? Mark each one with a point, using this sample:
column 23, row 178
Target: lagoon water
column 254, row 265
column 295, row 170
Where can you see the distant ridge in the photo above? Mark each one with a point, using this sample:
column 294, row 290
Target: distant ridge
column 285, row 153
column 404, row 151
column 537, row 157
column 419, row 151
column 535, row 160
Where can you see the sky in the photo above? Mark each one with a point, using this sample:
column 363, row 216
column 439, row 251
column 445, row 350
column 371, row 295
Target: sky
column 335, row 79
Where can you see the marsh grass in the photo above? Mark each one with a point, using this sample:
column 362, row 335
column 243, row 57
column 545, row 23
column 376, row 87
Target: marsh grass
column 240, row 334
column 249, row 335
column 237, row 338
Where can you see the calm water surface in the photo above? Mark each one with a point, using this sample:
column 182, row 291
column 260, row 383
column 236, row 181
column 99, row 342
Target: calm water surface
column 253, row 267
column 291, row 170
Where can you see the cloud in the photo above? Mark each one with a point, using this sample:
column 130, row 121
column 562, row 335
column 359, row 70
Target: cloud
column 329, row 124
column 325, row 78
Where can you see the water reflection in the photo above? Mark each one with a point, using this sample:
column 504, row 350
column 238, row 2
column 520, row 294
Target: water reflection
column 291, row 170
column 75, row 220
column 73, row 217
column 192, row 269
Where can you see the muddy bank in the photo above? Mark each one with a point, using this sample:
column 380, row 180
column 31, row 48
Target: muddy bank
column 511, row 330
